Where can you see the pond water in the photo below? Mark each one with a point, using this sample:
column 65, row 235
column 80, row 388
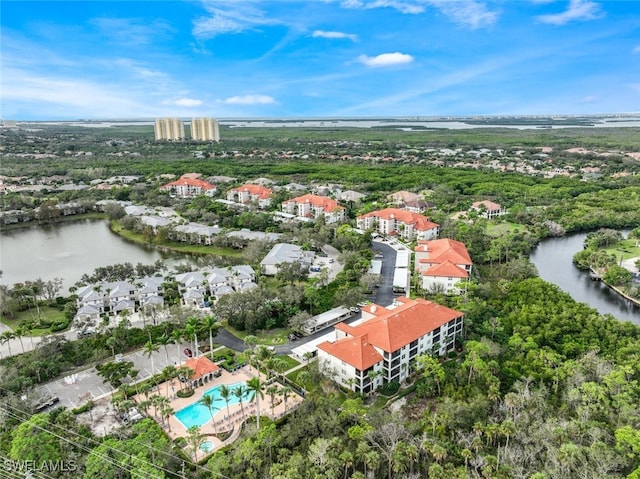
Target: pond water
column 553, row 258
column 69, row 250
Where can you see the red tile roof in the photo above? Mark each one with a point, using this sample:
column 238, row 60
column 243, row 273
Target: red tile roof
column 446, row 269
column 255, row 190
column 419, row 222
column 395, row 328
column 201, row 366
column 356, row 352
column 205, row 185
column 328, row 205
column 442, row 250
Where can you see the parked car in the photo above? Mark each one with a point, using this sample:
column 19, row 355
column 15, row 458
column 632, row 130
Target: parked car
column 47, row 403
column 354, row 309
column 85, row 333
column 187, row 352
column 331, row 260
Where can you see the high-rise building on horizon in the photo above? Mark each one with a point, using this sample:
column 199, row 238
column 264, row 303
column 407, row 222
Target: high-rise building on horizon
column 169, row 129
column 205, row 129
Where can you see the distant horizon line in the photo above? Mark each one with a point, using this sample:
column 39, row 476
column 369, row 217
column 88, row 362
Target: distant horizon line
column 364, row 117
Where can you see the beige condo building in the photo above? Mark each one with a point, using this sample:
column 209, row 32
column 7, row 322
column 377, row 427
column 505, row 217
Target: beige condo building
column 169, row 129
column 205, row 129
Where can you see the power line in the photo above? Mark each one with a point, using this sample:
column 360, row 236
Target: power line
column 96, row 442
column 77, row 445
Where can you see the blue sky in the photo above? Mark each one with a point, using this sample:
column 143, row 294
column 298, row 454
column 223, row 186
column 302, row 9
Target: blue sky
column 318, row 58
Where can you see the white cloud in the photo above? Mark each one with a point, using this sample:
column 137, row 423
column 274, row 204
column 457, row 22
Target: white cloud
column 249, row 100
column 578, row 10
column 128, row 31
column 411, row 7
column 334, row 35
column 468, row 13
column 385, row 59
column 229, row 18
column 636, row 50
column 188, row 102
column 590, row 99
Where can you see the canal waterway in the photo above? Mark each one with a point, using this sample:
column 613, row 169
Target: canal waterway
column 69, row 250
column 553, row 258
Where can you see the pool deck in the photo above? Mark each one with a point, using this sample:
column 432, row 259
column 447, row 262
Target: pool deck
column 223, row 421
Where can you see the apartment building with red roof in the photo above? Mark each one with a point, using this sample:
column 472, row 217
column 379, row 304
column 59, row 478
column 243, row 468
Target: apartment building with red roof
column 383, row 346
column 396, row 222
column 443, row 265
column 247, row 193
column 315, row 206
column 187, row 187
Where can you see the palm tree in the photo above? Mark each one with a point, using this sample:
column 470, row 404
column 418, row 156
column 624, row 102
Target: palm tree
column 19, row 332
column 208, row 401
column 191, row 329
column 194, row 438
column 185, row 372
column 210, row 324
column 272, row 391
column 111, row 342
column 8, row 336
column 169, row 372
column 165, row 341
column 254, row 384
column 149, row 349
column 263, row 354
column 225, row 393
column 275, row 364
column 238, row 392
column 176, row 337
column 166, row 411
column 250, row 341
column 285, row 391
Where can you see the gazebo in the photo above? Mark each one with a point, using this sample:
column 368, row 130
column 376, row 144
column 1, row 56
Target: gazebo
column 204, row 370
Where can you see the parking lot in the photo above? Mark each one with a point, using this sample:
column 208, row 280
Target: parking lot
column 77, row 389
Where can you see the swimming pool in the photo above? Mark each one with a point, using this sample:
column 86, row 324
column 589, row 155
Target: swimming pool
column 196, row 414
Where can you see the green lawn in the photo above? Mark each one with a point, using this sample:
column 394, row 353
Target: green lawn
column 498, row 229
column 272, row 337
column 47, row 315
column 629, row 248
column 289, row 362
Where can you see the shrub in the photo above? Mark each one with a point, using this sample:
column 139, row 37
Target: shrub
column 390, row 389
column 185, row 393
column 84, row 408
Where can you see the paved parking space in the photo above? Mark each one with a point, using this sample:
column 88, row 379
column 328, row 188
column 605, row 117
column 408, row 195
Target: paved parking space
column 77, row 389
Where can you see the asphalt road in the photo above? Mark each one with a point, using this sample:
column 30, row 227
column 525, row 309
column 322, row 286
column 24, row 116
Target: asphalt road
column 384, row 295
column 84, row 385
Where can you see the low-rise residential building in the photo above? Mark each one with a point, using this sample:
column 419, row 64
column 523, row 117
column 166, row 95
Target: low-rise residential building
column 443, row 264
column 195, row 233
column 384, row 345
column 186, row 187
column 244, row 194
column 397, row 222
column 214, row 282
column 402, row 197
column 314, row 206
column 285, row 253
column 488, row 209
